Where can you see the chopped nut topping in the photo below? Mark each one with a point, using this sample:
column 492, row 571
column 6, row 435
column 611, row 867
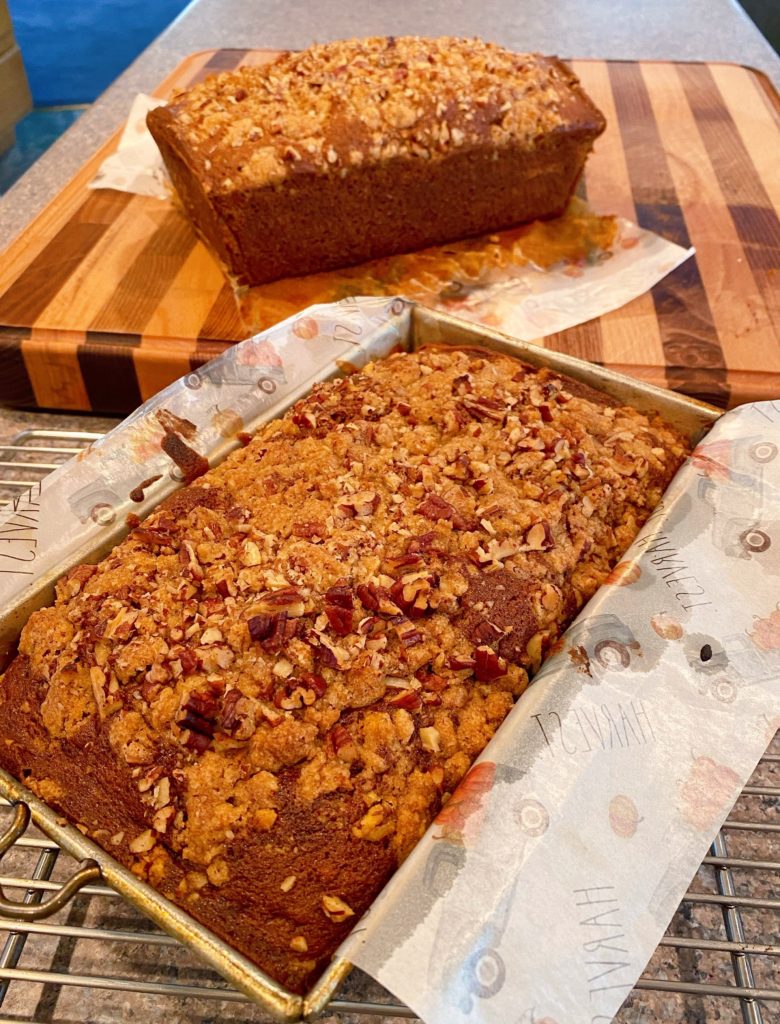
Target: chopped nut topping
column 393, row 95
column 163, row 818
column 142, row 843
column 430, row 739
column 332, row 665
column 374, row 825
column 252, row 555
column 336, row 909
column 299, row 944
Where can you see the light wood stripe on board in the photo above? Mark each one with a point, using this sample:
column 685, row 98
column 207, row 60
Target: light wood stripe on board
column 629, row 335
column 51, row 358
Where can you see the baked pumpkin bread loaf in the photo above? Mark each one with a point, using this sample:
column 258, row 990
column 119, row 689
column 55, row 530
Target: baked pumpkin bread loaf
column 261, row 698
column 353, row 150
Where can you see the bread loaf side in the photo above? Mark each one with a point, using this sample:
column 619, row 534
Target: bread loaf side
column 364, row 148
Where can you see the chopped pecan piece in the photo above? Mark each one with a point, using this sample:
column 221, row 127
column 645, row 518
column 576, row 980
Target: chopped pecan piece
column 288, row 600
column 189, row 661
column 261, row 626
column 199, row 720
column 407, row 561
column 374, row 825
column 274, row 631
column 459, row 662
column 412, row 592
column 338, row 608
column 231, row 710
column 342, row 744
column 488, row 666
column 434, row 507
column 314, row 682
column 142, row 843
column 423, row 543
column 359, row 505
column 485, row 408
column 367, row 593
column 377, row 599
column 309, row 529
column 407, row 632
column 539, row 537
column 304, row 418
column 432, row 681
column 430, row 739
column 407, row 699
column 462, row 385
column 336, row 909
column 153, row 537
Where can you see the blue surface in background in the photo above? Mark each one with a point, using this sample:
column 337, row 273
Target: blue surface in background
column 74, row 49
column 34, row 134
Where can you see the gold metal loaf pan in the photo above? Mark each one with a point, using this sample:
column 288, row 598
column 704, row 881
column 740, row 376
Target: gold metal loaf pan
column 426, row 327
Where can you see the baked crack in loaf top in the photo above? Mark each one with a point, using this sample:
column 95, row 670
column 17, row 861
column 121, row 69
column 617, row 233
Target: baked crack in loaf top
column 358, row 149
column 262, row 697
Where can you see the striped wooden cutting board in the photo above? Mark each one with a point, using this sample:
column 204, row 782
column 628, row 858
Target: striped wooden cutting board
column 107, row 297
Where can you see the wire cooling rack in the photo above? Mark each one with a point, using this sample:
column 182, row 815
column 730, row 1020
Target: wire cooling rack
column 99, row 960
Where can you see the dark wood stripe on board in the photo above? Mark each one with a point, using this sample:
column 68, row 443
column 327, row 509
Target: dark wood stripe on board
column 223, row 60
column 16, row 387
column 205, row 351
column 108, row 371
column 694, row 357
column 756, row 221
column 223, row 321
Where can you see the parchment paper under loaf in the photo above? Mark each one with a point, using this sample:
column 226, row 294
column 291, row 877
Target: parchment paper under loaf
column 523, row 299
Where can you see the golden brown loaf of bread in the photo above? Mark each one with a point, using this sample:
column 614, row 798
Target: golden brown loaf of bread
column 353, row 150
column 260, row 700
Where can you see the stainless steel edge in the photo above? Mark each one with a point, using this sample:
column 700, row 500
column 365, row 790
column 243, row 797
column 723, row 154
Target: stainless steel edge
column 427, row 326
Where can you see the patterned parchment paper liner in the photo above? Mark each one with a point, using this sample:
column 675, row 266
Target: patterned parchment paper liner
column 200, row 415
column 575, row 268
column 544, row 885
column 546, row 882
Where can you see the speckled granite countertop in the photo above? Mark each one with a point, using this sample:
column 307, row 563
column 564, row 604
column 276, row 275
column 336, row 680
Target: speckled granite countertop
column 695, row 30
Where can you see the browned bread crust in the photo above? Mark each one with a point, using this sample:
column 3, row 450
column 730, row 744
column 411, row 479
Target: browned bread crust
column 259, row 701
column 353, row 150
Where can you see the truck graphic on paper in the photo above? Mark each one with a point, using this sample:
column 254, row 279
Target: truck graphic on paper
column 732, row 483
column 603, row 640
column 484, row 972
column 600, row 642
column 254, row 364
column 95, row 501
column 736, row 662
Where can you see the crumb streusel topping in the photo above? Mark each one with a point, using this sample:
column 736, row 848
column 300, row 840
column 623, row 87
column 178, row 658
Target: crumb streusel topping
column 340, row 105
column 356, row 603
